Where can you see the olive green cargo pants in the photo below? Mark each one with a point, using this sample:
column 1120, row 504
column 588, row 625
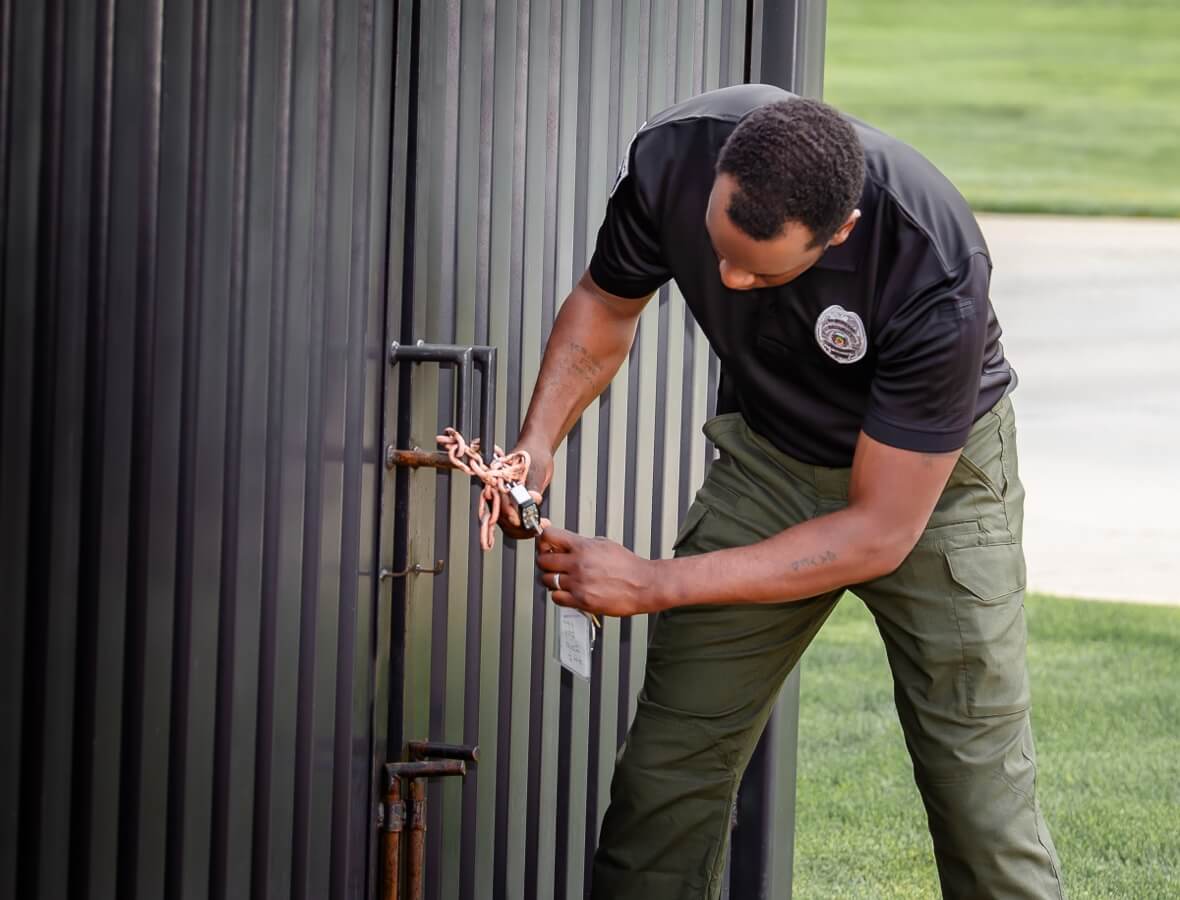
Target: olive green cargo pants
column 952, row 619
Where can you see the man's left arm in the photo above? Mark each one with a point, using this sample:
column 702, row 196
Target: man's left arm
column 892, row 493
column 923, row 395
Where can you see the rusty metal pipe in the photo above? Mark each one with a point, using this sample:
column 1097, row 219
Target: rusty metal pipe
column 391, row 840
column 439, row 750
column 416, row 875
column 429, row 759
column 426, row 769
column 417, row 459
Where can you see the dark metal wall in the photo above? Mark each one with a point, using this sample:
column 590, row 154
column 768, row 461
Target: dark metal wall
column 215, row 216
column 195, row 207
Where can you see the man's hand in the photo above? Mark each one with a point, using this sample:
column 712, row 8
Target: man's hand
column 540, row 474
column 596, row 575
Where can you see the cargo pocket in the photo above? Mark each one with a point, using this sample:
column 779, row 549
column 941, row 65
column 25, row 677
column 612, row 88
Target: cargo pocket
column 989, row 611
column 692, row 521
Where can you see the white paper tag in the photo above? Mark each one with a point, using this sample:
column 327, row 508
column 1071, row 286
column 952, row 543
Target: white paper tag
column 575, row 641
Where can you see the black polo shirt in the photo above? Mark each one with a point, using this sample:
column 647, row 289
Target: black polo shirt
column 891, row 332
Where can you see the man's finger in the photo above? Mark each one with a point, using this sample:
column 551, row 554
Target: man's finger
column 555, row 562
column 557, row 540
column 509, row 523
column 555, row 582
column 563, row 598
column 509, row 514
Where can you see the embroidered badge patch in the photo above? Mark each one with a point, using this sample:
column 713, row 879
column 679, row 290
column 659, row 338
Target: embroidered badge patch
column 841, row 334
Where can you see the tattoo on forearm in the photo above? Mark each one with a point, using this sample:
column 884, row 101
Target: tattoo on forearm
column 582, row 363
column 811, row 562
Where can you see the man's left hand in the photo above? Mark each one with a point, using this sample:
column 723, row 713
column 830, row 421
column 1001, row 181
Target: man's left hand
column 596, row 575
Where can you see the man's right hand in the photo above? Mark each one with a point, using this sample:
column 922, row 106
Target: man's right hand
column 537, row 482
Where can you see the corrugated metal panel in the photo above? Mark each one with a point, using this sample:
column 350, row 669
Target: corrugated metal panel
column 522, row 109
column 195, row 210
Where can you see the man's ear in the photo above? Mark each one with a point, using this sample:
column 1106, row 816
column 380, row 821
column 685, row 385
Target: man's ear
column 846, row 229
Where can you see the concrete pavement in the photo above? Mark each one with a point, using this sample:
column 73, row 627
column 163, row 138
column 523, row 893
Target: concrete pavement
column 1091, row 315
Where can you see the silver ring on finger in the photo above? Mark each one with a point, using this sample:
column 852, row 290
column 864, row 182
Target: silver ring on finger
column 557, row 581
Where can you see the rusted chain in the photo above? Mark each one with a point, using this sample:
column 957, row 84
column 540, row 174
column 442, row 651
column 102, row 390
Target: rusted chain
column 503, row 470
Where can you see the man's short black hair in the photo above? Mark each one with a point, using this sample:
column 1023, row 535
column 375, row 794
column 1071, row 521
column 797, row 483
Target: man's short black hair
column 796, row 160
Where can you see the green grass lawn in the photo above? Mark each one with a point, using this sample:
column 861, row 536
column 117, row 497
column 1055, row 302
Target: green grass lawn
column 1027, row 105
column 1106, row 714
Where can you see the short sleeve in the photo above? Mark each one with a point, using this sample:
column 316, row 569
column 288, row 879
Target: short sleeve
column 929, row 363
column 627, row 259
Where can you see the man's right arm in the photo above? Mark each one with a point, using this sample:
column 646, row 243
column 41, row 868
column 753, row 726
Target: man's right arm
column 591, row 336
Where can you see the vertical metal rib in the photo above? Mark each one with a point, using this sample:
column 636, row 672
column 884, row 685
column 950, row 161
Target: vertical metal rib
column 387, row 245
column 93, row 458
column 232, row 465
column 483, row 201
column 537, row 645
column 603, row 500
column 748, row 53
column 313, row 478
column 372, row 255
column 6, row 79
column 508, row 586
column 726, row 36
column 35, row 717
column 264, row 748
column 401, row 525
column 631, row 502
column 655, row 548
column 190, row 356
column 350, row 789
column 687, row 386
column 472, row 677
column 473, row 668
column 143, row 391
column 730, row 9
column 446, row 323
column 573, row 459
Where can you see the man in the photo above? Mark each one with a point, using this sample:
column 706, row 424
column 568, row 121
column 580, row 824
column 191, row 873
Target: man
column 865, row 443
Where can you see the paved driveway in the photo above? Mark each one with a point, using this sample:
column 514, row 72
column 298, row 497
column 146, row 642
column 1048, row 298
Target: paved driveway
column 1091, row 317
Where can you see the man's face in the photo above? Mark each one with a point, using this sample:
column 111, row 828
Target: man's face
column 745, row 263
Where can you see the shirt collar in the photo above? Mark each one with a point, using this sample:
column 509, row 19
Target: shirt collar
column 846, row 257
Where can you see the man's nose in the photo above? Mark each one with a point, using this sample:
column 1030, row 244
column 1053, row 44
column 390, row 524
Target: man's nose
column 734, row 278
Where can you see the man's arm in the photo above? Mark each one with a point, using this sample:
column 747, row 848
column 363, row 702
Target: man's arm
column 891, row 496
column 591, row 336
